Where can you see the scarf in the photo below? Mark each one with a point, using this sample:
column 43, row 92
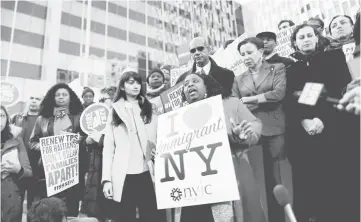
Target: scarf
column 152, row 93
column 337, row 44
column 61, row 120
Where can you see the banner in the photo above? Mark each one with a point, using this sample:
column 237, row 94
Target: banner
column 230, row 58
column 284, row 48
column 10, row 94
column 194, row 164
column 60, row 158
column 94, row 118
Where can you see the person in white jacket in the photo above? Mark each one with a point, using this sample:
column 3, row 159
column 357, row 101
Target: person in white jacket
column 129, row 141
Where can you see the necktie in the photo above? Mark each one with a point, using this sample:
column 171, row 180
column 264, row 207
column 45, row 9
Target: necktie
column 202, row 71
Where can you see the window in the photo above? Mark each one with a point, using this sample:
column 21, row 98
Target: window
column 302, row 10
column 21, row 70
column 308, row 7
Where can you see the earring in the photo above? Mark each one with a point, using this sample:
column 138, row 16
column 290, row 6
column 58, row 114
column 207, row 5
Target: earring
column 205, row 95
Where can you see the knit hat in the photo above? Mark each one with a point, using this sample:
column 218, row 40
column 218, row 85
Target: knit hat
column 86, row 90
column 155, row 71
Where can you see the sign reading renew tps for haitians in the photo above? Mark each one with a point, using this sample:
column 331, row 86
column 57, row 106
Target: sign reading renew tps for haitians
column 194, row 164
column 60, row 158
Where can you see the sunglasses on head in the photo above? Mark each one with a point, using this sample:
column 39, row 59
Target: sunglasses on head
column 199, row 48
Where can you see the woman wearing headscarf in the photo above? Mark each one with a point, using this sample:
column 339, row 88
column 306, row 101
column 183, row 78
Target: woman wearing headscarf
column 324, row 167
column 155, row 82
column 341, row 30
column 59, row 113
column 262, row 88
column 244, row 130
column 15, row 167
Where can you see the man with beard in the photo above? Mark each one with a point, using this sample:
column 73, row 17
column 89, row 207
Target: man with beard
column 203, row 63
column 270, row 42
column 27, row 121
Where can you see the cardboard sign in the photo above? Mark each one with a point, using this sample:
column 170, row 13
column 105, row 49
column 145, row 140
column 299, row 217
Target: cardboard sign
column 348, row 50
column 310, row 93
column 230, row 58
column 10, row 94
column 172, row 98
column 194, row 164
column 284, row 47
column 60, row 158
column 94, row 118
column 176, row 73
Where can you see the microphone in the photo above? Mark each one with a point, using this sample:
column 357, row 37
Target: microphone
column 322, row 96
column 282, row 198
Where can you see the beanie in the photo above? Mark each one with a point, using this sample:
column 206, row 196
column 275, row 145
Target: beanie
column 86, row 90
column 154, row 71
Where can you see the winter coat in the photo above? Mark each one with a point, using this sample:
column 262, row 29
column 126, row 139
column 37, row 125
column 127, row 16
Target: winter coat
column 11, row 204
column 117, row 147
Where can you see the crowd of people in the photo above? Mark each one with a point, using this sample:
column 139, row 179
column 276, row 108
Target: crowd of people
column 322, row 142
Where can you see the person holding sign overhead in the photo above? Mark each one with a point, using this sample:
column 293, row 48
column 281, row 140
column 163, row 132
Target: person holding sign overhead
column 244, row 131
column 15, row 167
column 262, row 88
column 59, row 113
column 127, row 154
column 315, row 138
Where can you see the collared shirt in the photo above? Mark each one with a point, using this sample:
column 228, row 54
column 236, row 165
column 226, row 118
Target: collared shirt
column 206, row 68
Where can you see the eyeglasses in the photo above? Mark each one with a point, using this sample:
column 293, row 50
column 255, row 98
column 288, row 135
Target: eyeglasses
column 102, row 100
column 199, row 48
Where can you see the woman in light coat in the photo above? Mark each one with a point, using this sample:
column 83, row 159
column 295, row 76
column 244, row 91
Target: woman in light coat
column 127, row 154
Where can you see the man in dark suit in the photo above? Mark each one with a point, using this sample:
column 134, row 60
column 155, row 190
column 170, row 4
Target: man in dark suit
column 203, row 63
column 270, row 42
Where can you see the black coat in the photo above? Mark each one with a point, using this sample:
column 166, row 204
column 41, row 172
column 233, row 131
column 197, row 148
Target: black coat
column 223, row 76
column 325, row 166
column 279, row 59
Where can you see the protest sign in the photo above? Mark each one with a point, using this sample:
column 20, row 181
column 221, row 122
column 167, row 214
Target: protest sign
column 94, row 118
column 193, row 164
column 176, row 73
column 230, row 58
column 284, row 47
column 348, row 50
column 60, row 158
column 172, row 98
column 10, row 94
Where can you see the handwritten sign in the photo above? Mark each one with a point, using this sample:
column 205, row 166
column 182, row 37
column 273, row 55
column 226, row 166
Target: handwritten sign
column 230, row 58
column 310, row 93
column 94, row 118
column 60, row 158
column 348, row 50
column 10, row 94
column 284, row 47
column 193, row 164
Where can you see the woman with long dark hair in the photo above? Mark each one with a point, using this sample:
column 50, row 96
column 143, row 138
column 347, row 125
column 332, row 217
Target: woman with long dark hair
column 59, row 113
column 244, row 131
column 15, row 167
column 340, row 27
column 129, row 141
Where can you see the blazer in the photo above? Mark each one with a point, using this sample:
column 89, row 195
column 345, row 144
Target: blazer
column 223, row 76
column 271, row 86
column 117, row 147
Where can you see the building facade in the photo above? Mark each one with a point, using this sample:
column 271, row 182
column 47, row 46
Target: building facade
column 261, row 15
column 59, row 41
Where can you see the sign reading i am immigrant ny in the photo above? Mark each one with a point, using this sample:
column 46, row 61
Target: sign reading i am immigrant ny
column 60, row 158
column 193, row 164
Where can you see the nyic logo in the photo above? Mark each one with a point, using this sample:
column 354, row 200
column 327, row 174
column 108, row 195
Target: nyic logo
column 176, row 194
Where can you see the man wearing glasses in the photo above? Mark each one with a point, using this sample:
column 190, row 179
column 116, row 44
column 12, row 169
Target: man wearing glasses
column 203, row 63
